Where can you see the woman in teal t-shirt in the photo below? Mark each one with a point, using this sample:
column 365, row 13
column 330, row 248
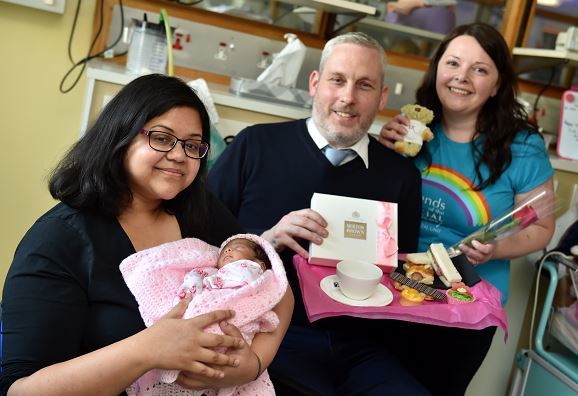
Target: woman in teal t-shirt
column 485, row 157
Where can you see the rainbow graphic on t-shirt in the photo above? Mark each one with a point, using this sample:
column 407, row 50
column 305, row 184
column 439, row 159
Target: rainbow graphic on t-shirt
column 457, row 185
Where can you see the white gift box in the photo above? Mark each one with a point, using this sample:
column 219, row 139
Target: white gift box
column 359, row 229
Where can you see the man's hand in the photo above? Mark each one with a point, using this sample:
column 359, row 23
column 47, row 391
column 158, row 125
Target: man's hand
column 300, row 224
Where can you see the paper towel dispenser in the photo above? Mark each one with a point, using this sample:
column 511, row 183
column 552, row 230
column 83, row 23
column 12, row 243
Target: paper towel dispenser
column 568, row 40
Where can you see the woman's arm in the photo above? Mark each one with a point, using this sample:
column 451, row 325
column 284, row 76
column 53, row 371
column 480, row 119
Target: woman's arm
column 109, row 370
column 265, row 345
column 51, row 319
column 532, row 238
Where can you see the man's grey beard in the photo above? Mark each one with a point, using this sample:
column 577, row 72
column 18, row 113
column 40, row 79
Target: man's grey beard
column 334, row 137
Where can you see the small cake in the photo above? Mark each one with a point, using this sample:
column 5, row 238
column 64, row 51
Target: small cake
column 411, row 297
column 460, row 294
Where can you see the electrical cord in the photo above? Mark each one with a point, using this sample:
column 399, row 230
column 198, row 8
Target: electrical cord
column 85, row 60
column 541, row 92
column 72, row 32
column 561, row 258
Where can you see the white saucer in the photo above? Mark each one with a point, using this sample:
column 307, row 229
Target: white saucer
column 381, row 297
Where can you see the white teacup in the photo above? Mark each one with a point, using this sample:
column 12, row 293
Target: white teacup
column 358, row 280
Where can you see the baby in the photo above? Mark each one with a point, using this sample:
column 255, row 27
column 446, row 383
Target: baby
column 240, row 262
column 245, row 274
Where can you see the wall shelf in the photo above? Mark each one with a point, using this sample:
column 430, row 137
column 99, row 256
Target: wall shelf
column 532, row 59
column 335, row 6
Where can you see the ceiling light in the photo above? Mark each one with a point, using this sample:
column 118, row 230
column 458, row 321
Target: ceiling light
column 549, row 3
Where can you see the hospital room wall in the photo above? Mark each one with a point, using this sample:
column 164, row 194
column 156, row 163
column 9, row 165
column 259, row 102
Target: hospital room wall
column 37, row 122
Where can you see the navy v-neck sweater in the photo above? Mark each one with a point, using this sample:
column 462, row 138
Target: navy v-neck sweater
column 270, row 170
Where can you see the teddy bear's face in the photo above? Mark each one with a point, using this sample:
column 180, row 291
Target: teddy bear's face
column 417, row 112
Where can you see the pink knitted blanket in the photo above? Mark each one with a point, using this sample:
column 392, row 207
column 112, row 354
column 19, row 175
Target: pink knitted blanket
column 154, row 277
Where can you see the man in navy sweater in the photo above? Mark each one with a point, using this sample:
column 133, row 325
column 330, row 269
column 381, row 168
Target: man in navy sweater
column 267, row 177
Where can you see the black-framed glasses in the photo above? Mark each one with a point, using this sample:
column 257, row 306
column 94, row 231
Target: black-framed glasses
column 165, row 142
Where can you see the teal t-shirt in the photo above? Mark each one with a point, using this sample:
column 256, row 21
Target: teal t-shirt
column 451, row 210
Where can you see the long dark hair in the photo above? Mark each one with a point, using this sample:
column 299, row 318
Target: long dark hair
column 500, row 118
column 91, row 176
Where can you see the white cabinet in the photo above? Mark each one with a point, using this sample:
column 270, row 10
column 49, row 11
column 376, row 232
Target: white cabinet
column 46, row 5
column 106, row 79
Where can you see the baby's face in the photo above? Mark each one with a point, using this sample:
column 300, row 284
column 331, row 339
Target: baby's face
column 237, row 249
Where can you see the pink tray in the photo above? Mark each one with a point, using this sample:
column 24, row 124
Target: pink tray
column 484, row 312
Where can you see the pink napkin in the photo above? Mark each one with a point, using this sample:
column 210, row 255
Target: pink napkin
column 486, row 311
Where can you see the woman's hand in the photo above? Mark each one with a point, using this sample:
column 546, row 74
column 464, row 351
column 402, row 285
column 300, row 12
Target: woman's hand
column 182, row 344
column 479, row 253
column 244, row 372
column 394, row 130
column 249, row 367
column 300, row 224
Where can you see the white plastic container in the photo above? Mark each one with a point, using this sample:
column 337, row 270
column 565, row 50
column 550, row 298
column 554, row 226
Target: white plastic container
column 568, row 133
column 147, row 51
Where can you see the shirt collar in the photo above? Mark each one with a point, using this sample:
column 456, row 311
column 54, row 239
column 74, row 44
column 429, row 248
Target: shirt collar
column 360, row 148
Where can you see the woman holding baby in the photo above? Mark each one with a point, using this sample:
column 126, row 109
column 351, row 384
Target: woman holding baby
column 135, row 180
column 485, row 158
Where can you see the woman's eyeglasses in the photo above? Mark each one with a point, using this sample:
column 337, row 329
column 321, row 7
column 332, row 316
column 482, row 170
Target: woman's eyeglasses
column 165, row 142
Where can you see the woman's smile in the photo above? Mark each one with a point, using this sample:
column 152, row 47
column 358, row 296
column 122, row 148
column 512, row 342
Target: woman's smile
column 459, row 91
column 171, row 171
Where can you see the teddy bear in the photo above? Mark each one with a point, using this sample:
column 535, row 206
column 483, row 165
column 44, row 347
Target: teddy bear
column 417, row 131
